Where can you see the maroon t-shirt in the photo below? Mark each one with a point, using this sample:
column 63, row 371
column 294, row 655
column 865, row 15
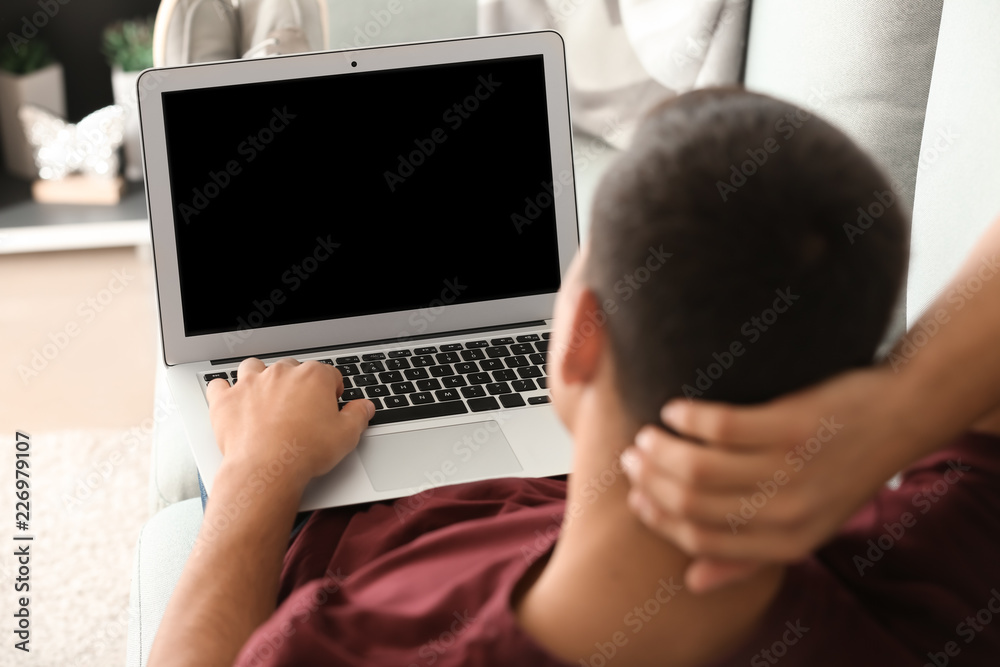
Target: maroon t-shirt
column 912, row 579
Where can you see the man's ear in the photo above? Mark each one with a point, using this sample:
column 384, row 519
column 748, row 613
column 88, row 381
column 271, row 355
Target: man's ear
column 582, row 356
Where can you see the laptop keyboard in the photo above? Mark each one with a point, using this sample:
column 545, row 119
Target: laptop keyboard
column 443, row 380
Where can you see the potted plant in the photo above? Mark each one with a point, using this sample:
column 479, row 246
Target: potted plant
column 28, row 75
column 128, row 46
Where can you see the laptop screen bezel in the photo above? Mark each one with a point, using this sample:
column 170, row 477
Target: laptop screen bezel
column 179, row 348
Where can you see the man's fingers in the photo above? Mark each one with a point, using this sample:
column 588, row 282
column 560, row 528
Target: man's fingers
column 723, row 424
column 250, row 366
column 699, row 467
column 357, row 413
column 215, row 389
column 705, row 575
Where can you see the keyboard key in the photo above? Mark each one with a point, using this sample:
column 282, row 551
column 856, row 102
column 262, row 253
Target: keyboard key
column 495, row 352
column 546, row 335
column 464, row 367
column 377, row 390
column 523, row 385
column 522, row 349
column 527, row 338
column 512, row 401
column 542, row 346
column 491, row 364
column 419, row 412
column 397, row 364
column 516, row 362
column 483, row 404
column 503, row 375
column 529, row 372
column 402, row 388
column 453, row 381
column 440, row 371
column 476, row 343
column 506, row 340
column 495, row 388
column 216, row 376
column 365, row 380
column 428, row 385
column 423, row 361
column 537, row 358
column 425, row 350
column 372, row 367
column 479, row 378
column 475, row 391
column 451, row 347
column 416, row 373
column 328, row 362
column 421, row 398
column 347, row 383
column 390, row 376
column 396, row 402
column 373, row 356
column 395, row 354
column 539, row 400
column 378, row 404
column 543, row 383
column 233, row 373
column 446, row 358
column 352, row 395
column 447, row 395
column 348, row 370
column 472, row 355
column 347, row 360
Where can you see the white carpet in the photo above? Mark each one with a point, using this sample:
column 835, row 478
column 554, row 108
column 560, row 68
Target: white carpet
column 88, row 503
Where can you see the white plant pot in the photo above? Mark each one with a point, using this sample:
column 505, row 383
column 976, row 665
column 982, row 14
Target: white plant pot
column 43, row 88
column 124, row 90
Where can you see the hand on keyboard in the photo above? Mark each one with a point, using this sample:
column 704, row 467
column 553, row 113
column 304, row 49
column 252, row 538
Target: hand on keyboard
column 283, row 420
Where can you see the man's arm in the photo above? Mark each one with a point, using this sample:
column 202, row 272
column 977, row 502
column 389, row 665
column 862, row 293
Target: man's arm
column 285, row 414
column 941, row 379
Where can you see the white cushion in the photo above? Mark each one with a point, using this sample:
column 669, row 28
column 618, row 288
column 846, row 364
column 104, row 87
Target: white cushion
column 958, row 182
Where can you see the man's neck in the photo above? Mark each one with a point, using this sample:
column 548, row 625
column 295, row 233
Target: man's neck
column 608, row 576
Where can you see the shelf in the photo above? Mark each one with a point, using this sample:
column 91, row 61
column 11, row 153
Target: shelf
column 27, row 226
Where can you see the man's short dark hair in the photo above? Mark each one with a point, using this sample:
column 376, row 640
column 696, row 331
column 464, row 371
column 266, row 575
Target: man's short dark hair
column 787, row 248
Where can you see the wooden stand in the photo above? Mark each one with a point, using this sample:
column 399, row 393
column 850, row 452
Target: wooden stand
column 79, row 190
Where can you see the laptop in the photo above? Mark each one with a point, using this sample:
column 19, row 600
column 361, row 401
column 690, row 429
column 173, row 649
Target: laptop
column 404, row 213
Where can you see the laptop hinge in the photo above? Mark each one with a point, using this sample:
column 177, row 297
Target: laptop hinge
column 397, row 340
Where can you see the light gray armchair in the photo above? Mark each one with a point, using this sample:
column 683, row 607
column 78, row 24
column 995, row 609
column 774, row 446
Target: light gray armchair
column 916, row 85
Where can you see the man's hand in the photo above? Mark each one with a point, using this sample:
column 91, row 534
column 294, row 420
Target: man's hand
column 286, row 412
column 802, row 464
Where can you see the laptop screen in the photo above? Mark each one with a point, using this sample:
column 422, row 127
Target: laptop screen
column 321, row 198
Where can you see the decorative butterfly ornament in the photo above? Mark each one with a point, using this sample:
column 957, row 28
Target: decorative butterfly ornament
column 61, row 148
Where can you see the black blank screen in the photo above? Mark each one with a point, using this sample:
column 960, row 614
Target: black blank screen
column 267, row 178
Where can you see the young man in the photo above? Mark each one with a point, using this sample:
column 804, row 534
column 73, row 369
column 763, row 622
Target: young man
column 764, row 292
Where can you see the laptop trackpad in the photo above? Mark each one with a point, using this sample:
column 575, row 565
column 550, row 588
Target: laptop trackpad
column 437, row 456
